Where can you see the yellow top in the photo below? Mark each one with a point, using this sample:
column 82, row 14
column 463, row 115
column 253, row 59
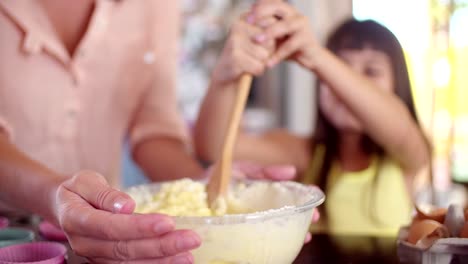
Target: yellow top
column 366, row 202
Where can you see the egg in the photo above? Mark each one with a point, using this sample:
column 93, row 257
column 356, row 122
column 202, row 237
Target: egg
column 429, row 212
column 455, row 219
column 464, row 232
column 422, row 229
column 427, row 241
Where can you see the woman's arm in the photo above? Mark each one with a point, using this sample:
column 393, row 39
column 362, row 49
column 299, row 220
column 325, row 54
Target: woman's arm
column 97, row 219
column 165, row 159
column 25, row 183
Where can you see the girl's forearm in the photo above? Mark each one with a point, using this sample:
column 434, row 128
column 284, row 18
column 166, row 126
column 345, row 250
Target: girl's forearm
column 383, row 115
column 213, row 119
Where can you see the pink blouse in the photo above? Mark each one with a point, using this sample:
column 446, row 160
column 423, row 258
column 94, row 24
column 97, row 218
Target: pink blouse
column 73, row 113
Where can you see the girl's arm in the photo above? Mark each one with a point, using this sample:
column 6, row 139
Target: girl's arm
column 383, row 115
column 242, row 54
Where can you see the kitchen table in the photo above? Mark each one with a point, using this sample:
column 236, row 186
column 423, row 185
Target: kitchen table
column 322, row 249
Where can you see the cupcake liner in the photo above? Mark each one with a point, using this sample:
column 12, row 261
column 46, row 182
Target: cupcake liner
column 50, row 232
column 35, row 252
column 4, row 222
column 12, row 236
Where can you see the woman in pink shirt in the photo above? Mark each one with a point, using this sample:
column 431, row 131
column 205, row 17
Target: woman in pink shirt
column 76, row 77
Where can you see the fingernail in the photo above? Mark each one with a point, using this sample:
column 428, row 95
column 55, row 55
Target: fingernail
column 183, row 259
column 120, row 204
column 260, row 38
column 163, row 227
column 188, row 242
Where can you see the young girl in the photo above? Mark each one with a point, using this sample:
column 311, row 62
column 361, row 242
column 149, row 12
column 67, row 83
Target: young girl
column 367, row 148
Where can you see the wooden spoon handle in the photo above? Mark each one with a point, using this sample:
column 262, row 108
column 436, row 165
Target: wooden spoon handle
column 223, row 169
column 236, row 115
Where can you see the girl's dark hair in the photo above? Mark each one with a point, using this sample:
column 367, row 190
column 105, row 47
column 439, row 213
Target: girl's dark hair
column 358, row 35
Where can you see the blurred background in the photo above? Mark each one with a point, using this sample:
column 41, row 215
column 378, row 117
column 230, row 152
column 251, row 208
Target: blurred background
column 432, row 33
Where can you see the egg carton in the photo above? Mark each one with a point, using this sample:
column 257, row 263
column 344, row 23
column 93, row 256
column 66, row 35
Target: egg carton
column 451, row 250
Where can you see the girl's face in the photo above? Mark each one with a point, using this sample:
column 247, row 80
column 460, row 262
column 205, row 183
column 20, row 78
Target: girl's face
column 370, row 63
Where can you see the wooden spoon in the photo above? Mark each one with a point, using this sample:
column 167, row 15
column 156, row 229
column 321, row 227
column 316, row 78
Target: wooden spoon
column 221, row 176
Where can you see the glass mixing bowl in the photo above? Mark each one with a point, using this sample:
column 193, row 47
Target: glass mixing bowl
column 273, row 234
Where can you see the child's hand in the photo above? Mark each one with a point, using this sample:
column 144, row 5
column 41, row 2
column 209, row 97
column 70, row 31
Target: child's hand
column 243, row 52
column 292, row 31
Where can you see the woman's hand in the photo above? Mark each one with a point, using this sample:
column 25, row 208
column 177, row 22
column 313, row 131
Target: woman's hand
column 292, row 32
column 99, row 224
column 244, row 52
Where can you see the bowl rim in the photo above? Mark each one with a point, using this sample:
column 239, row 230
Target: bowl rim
column 318, row 197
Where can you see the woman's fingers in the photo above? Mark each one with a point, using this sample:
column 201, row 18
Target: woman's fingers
column 170, row 244
column 107, row 226
column 78, row 217
column 86, row 212
column 93, row 188
column 184, row 258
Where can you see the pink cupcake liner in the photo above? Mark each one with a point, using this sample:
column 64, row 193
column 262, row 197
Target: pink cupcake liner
column 35, row 252
column 50, row 232
column 4, row 222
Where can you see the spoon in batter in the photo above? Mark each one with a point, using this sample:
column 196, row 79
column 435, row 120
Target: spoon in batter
column 220, row 178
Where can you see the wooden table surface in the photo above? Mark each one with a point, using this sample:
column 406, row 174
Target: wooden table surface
column 348, row 249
